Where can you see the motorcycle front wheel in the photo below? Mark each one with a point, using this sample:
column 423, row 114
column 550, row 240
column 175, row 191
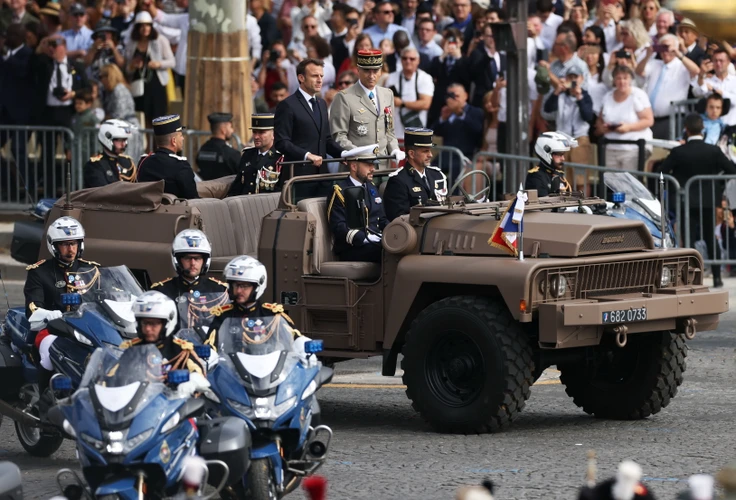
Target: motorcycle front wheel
column 37, row 442
column 259, row 481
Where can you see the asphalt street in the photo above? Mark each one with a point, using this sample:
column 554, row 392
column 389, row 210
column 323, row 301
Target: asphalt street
column 383, row 450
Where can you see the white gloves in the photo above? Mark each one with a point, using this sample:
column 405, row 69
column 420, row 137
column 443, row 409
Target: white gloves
column 40, row 318
column 398, row 154
column 373, row 238
column 360, row 151
column 197, row 383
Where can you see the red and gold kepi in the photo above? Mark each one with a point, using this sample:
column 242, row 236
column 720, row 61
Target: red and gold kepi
column 370, row 59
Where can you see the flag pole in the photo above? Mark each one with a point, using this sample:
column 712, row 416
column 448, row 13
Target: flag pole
column 662, row 213
column 521, row 227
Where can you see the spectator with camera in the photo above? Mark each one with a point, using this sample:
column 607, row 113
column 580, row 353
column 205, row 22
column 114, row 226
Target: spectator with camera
column 607, row 18
column 626, row 114
column 487, row 65
column 666, row 80
column 713, row 78
column 450, row 67
column 413, row 91
column 105, row 49
column 565, row 50
column 346, row 26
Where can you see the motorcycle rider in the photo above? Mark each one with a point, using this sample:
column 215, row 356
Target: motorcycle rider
column 47, row 280
column 156, row 318
column 549, row 176
column 111, row 165
column 191, row 256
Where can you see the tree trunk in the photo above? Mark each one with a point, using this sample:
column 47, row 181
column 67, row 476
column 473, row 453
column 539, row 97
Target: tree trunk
column 219, row 66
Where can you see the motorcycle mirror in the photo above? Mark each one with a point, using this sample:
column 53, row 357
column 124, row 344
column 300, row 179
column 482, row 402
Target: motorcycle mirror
column 177, row 377
column 313, row 346
column 355, row 207
column 203, row 351
column 71, row 299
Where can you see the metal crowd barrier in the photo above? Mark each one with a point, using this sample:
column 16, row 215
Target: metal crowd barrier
column 678, row 111
column 703, row 196
column 33, row 163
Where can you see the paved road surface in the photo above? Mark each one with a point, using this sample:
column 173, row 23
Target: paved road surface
column 383, row 451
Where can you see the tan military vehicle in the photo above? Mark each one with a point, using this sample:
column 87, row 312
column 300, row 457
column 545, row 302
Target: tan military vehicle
column 476, row 327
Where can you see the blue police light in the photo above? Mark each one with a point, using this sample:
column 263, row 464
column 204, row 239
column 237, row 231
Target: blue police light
column 619, row 197
column 71, row 299
column 313, row 346
column 203, row 351
column 61, row 383
column 177, row 377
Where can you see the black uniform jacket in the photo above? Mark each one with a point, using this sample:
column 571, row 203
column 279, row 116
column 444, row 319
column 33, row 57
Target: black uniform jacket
column 48, row 279
column 104, row 169
column 406, row 188
column 251, row 162
column 175, row 287
column 546, row 181
column 179, row 353
column 217, row 159
column 173, row 169
column 345, row 238
column 232, row 310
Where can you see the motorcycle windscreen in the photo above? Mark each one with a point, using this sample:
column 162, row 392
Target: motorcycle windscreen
column 123, row 383
column 259, row 349
column 195, row 309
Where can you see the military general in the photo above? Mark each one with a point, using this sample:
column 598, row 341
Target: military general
column 363, row 114
column 165, row 163
column 417, row 183
column 216, row 158
column 259, row 170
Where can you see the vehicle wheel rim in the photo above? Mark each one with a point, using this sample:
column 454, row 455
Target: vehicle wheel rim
column 30, row 435
column 455, row 369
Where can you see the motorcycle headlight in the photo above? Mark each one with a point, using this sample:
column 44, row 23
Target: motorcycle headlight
column 245, row 410
column 82, row 339
column 69, row 429
column 95, row 443
column 133, row 442
column 665, row 279
column 171, row 423
column 309, row 390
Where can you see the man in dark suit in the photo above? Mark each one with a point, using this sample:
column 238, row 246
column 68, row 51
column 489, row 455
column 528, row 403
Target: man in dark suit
column 487, row 64
column 448, row 68
column 460, row 126
column 57, row 81
column 345, row 26
column 689, row 34
column 165, row 163
column 302, row 126
column 352, row 244
column 16, row 92
column 695, row 157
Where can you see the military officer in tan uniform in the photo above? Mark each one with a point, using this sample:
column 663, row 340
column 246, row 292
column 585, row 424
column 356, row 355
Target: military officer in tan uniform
column 363, row 113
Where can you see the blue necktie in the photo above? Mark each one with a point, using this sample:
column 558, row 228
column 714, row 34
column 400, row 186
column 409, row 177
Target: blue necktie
column 657, row 85
column 372, row 97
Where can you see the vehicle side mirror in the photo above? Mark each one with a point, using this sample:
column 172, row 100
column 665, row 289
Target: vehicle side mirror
column 71, row 299
column 203, row 351
column 355, row 208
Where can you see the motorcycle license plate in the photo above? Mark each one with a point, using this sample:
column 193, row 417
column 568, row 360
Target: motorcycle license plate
column 625, row 315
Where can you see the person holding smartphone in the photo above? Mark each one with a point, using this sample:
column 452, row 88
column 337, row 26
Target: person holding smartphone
column 626, row 114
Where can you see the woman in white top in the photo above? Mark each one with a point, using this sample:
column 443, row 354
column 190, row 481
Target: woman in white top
column 626, row 114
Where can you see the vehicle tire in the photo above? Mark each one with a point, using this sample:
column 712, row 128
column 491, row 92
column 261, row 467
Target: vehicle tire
column 259, row 481
column 36, row 442
column 467, row 365
column 631, row 382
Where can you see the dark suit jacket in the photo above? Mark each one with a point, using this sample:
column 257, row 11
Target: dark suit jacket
column 339, row 51
column 16, row 87
column 297, row 133
column 443, row 78
column 43, row 71
column 696, row 55
column 698, row 158
column 269, row 31
column 482, row 74
column 466, row 134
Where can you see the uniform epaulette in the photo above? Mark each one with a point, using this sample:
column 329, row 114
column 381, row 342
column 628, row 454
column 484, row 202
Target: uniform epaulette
column 396, row 172
column 96, row 158
column 184, row 344
column 92, row 262
column 246, row 149
column 336, row 193
column 181, row 158
column 218, row 310
column 534, row 169
column 218, row 281
column 436, row 168
column 34, row 266
column 126, row 157
column 159, row 283
column 274, row 308
column 129, row 343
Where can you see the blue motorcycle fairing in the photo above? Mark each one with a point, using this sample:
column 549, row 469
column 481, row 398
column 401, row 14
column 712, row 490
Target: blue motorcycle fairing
column 96, row 328
column 19, row 329
column 296, row 382
column 124, row 488
column 631, row 214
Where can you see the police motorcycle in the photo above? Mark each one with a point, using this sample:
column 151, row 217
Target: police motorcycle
column 135, row 427
column 632, row 200
column 102, row 318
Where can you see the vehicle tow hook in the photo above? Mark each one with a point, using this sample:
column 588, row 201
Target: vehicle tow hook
column 622, row 335
column 690, row 328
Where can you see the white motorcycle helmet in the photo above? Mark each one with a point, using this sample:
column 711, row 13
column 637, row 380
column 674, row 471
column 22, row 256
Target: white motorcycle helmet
column 191, row 241
column 113, row 129
column 247, row 269
column 156, row 305
column 553, row 142
column 64, row 229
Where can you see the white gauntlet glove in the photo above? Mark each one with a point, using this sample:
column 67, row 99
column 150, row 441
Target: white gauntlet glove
column 398, row 154
column 373, row 238
column 40, row 318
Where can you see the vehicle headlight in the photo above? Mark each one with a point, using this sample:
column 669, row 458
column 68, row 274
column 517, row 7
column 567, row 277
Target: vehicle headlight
column 557, row 286
column 82, row 339
column 309, row 390
column 171, row 423
column 245, row 410
column 95, row 443
column 133, row 442
column 665, row 279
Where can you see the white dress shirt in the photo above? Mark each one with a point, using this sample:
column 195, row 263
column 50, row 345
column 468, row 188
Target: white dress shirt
column 673, row 86
column 727, row 86
column 66, row 83
column 549, row 30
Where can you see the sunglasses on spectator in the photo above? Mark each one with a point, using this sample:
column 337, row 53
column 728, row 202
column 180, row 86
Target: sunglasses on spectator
column 79, row 14
column 387, row 12
column 309, row 27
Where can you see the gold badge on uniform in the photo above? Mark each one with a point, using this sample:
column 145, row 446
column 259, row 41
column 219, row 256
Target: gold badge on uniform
column 416, row 189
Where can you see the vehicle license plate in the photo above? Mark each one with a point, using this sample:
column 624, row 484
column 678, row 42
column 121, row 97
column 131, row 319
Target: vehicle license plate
column 625, row 315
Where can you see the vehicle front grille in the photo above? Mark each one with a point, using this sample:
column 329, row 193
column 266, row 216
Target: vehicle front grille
column 614, row 240
column 618, row 277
